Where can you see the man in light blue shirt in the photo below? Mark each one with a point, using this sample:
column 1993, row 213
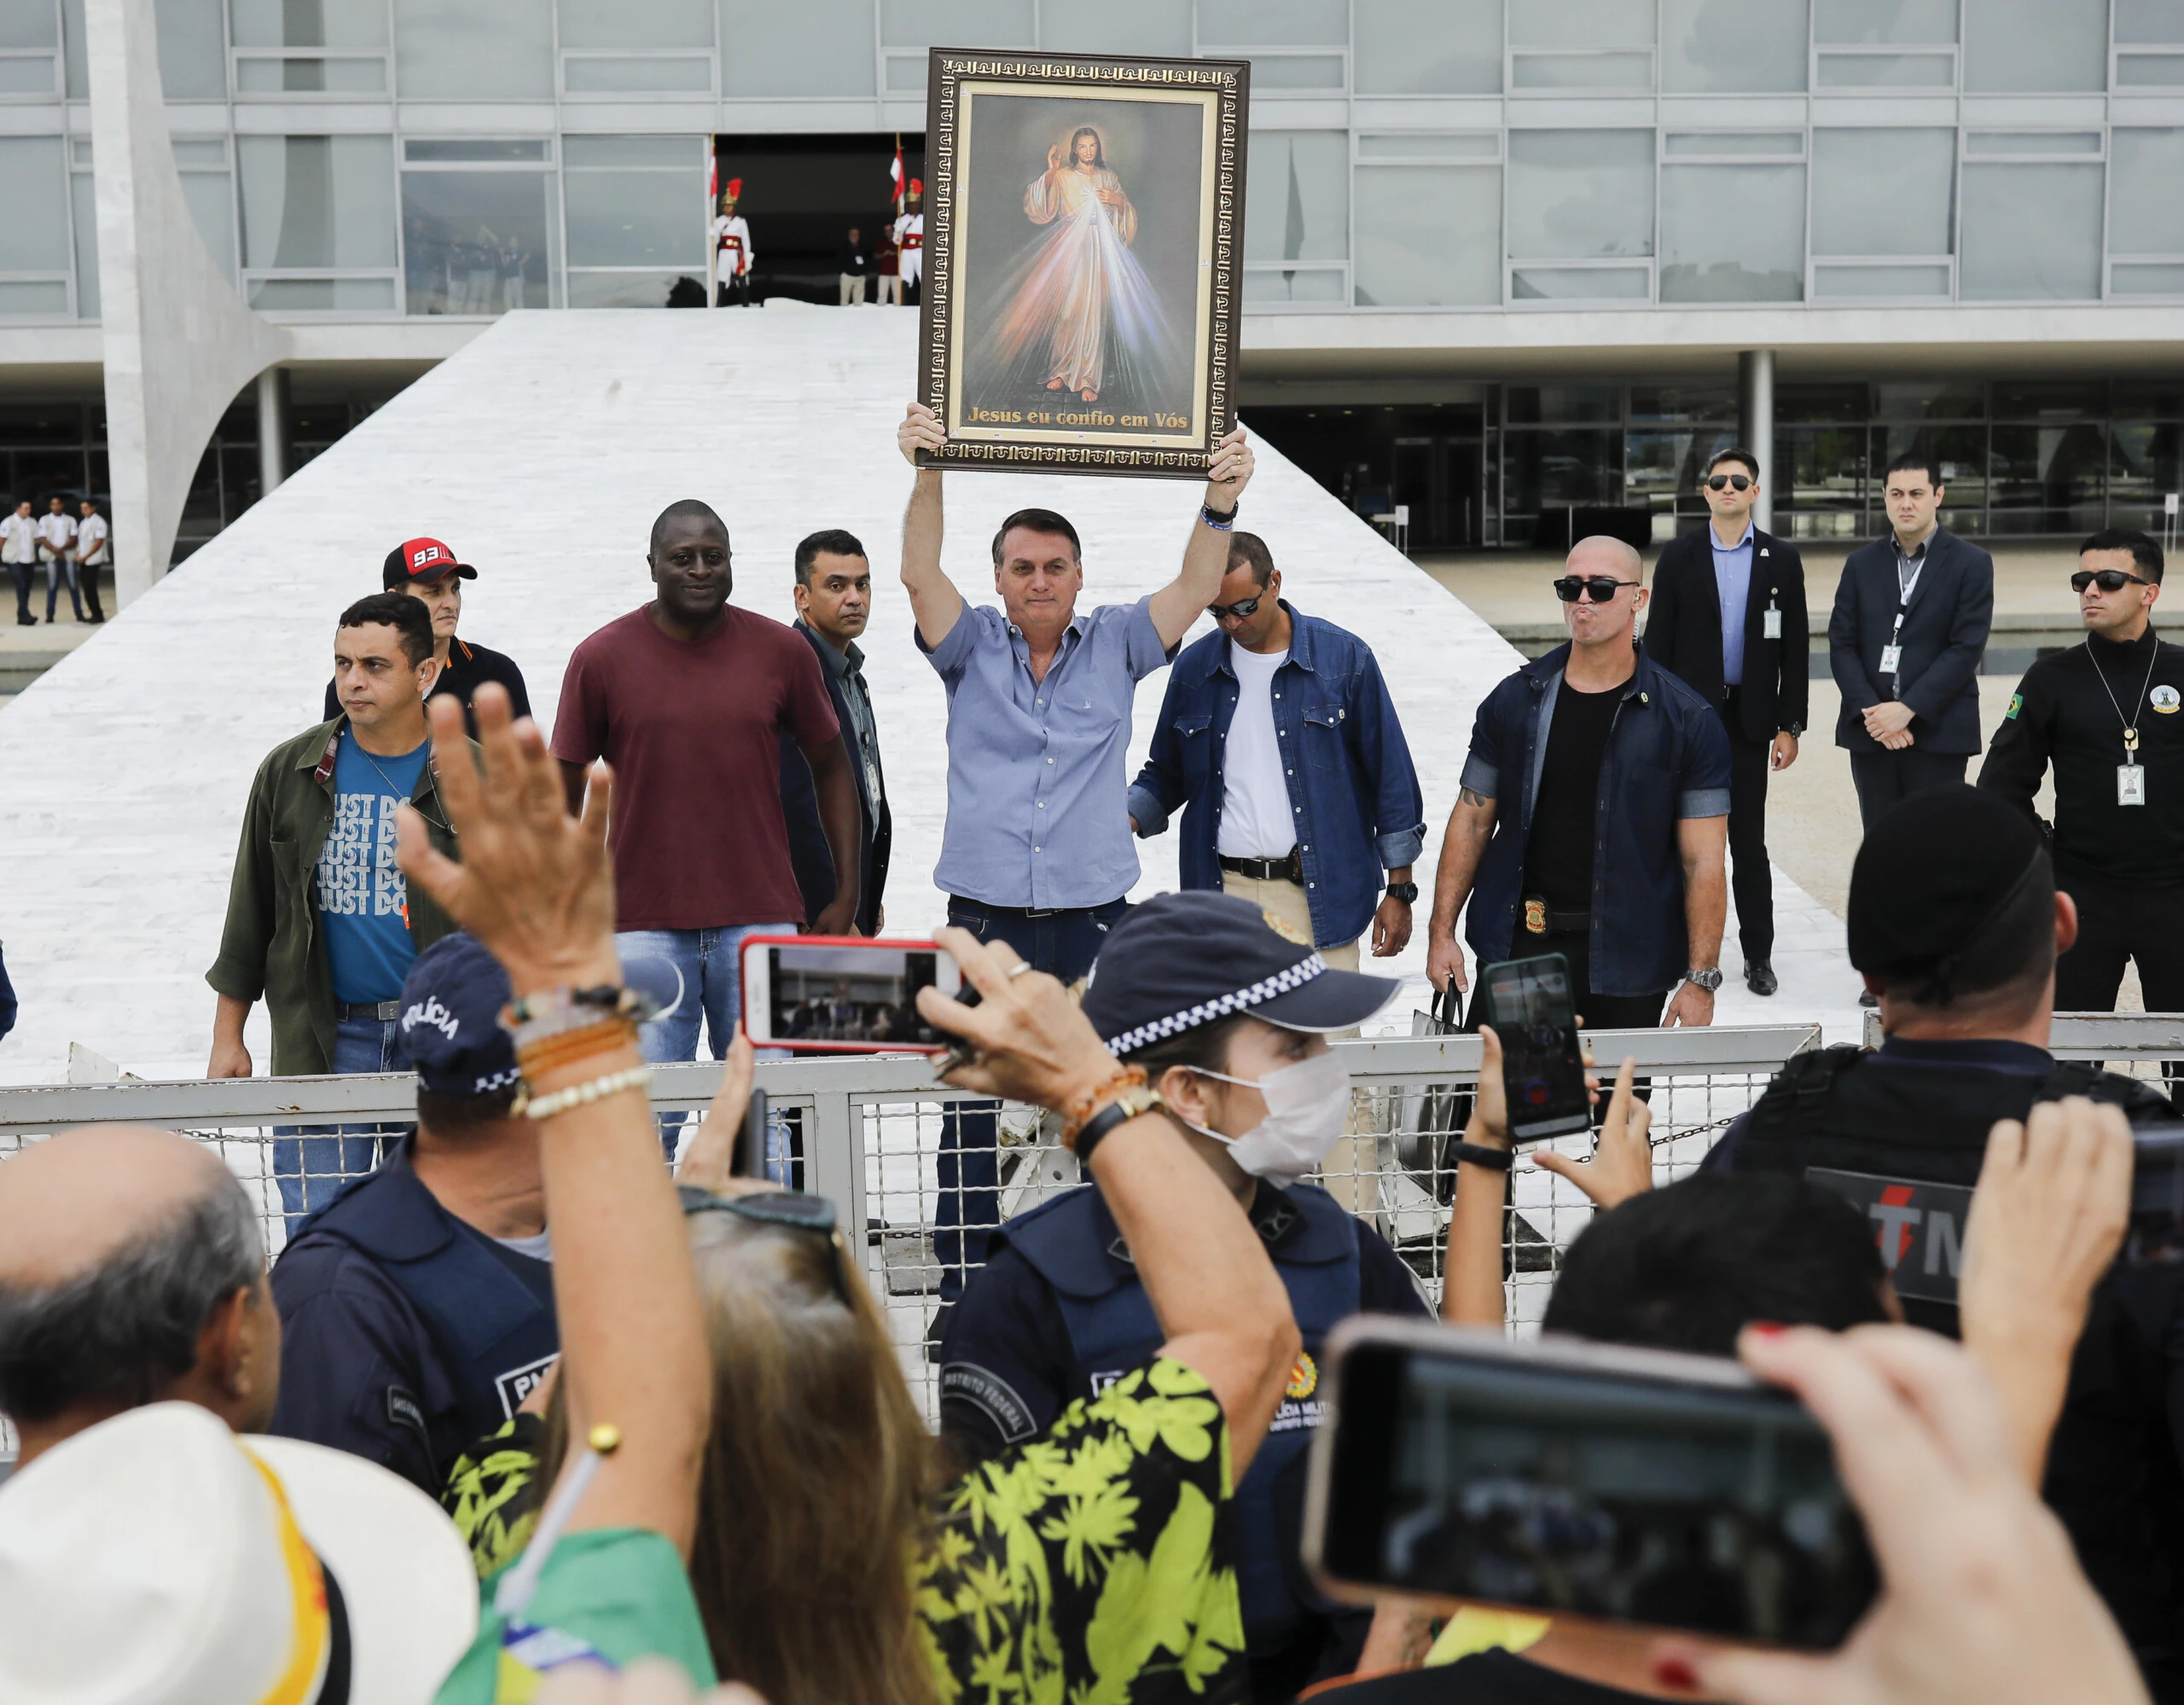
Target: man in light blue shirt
column 1038, row 850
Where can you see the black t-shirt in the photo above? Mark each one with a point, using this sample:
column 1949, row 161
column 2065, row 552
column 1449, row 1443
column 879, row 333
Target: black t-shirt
column 468, row 668
column 1559, row 859
column 1491, row 1678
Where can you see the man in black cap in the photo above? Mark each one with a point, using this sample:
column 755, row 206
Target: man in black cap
column 1228, row 1011
column 418, row 1307
column 428, row 571
column 1956, row 923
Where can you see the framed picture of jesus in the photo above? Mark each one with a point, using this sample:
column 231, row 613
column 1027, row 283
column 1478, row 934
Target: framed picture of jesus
column 1085, row 242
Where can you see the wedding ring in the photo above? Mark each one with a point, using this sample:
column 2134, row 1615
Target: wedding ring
column 1017, row 971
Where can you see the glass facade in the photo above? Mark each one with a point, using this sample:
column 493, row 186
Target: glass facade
column 1451, row 155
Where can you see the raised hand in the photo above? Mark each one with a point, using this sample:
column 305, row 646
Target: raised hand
column 1230, row 470
column 919, row 430
column 1032, row 1043
column 1622, row 1165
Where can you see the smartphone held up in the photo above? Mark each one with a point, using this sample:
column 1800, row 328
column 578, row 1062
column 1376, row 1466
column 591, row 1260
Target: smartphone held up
column 843, row 994
column 1534, row 1014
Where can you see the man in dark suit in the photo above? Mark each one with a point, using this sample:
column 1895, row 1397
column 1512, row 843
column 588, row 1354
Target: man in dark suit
column 833, row 602
column 1729, row 618
column 1908, row 629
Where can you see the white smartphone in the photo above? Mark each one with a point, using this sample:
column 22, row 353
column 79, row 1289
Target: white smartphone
column 843, row 994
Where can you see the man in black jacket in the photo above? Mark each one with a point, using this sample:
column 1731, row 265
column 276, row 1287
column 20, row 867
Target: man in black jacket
column 427, row 571
column 1728, row 619
column 1908, row 629
column 833, row 602
column 2106, row 716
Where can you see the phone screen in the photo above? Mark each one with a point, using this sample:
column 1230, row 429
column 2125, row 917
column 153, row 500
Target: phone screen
column 863, row 995
column 1591, row 1491
column 1528, row 1004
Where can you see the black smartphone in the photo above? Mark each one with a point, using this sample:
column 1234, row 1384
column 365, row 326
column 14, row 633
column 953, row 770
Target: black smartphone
column 2155, row 1237
column 1529, row 1003
column 751, row 1141
column 1580, row 1480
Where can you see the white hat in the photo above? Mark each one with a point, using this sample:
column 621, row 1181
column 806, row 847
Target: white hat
column 158, row 1557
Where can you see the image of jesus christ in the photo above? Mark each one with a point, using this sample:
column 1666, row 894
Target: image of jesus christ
column 1078, row 292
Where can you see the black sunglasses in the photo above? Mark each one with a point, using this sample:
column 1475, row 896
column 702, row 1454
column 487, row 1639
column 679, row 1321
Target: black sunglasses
column 2108, row 579
column 1602, row 589
column 797, row 1210
column 1716, row 482
column 1241, row 608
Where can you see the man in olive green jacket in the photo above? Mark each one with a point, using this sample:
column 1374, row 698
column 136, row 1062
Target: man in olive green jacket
column 321, row 925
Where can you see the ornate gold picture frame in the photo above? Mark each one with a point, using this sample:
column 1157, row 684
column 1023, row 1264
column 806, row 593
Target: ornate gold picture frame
column 1084, row 246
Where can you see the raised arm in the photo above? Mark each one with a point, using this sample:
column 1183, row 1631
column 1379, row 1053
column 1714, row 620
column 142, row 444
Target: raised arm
column 1222, row 1308
column 934, row 601
column 1206, row 558
column 537, row 887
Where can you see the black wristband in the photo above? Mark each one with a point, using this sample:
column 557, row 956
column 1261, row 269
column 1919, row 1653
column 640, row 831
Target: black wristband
column 1119, row 1112
column 1478, row 1154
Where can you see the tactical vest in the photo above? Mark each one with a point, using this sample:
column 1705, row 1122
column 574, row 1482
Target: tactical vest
column 1071, row 1243
column 1904, row 1147
column 490, row 1330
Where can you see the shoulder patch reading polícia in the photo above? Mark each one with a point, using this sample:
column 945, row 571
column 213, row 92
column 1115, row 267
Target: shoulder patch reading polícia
column 2165, row 699
column 2016, row 703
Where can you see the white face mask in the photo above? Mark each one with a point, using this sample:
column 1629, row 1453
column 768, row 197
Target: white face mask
column 1306, row 1105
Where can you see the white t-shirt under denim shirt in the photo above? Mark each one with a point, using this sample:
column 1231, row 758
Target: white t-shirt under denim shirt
column 1255, row 819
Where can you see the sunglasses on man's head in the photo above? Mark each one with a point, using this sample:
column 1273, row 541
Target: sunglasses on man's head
column 2108, row 579
column 1237, row 612
column 1598, row 587
column 1719, row 482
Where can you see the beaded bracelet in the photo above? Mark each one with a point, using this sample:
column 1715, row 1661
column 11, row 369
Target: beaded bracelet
column 1084, row 1106
column 584, row 1094
column 567, row 1047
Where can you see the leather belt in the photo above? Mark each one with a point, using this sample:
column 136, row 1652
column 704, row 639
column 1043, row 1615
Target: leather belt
column 1541, row 920
column 1288, row 868
column 385, row 1011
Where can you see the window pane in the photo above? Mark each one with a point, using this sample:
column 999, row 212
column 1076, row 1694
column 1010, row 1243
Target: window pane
column 1296, row 71
column 1297, row 196
column 2146, row 215
column 815, row 47
column 2144, row 465
column 626, row 289
column 308, row 23
column 672, row 152
column 1883, row 20
column 473, row 49
column 1886, row 71
column 475, row 242
column 1575, row 195
column 1578, row 284
column 1268, row 23
column 33, row 204
column 1735, row 141
column 1882, row 192
column 1879, row 281
column 636, row 219
column 84, row 188
column 2158, row 22
column 1411, row 257
column 417, row 150
column 955, row 23
column 1733, row 234
column 2162, row 278
column 1930, row 399
column 28, row 24
column 1405, row 145
column 2030, row 232
column 212, row 199
column 1549, row 470
column 2046, row 480
column 1726, row 46
column 1264, row 284
column 25, row 297
column 1587, row 23
column 317, row 201
column 1427, row 47
column 193, row 50
column 1534, row 404
column 77, row 70
column 322, row 295
column 2011, row 46
column 1155, row 26
column 1581, row 71
column 2150, row 70
column 583, row 75
column 1819, row 482
column 2033, row 141
column 656, row 24
column 29, row 75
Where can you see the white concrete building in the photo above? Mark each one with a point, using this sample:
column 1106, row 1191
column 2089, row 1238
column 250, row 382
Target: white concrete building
column 1509, row 259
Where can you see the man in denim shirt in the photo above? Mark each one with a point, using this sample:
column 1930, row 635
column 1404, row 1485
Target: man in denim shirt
column 1592, row 817
column 1279, row 739
column 1037, row 851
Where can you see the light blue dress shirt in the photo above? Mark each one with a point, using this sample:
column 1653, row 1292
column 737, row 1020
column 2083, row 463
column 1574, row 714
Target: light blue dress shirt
column 1038, row 815
column 1733, row 580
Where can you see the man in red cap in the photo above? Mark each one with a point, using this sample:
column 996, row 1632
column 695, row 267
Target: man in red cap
column 909, row 240
column 427, row 571
column 732, row 237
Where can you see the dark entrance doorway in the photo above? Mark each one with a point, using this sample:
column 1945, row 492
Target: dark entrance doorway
column 1442, row 480
column 801, row 194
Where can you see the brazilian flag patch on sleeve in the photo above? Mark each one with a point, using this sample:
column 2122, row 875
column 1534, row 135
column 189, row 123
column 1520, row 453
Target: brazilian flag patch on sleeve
column 2016, row 703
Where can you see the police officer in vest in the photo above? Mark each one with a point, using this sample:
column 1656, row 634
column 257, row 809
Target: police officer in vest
column 1228, row 1013
column 417, row 1308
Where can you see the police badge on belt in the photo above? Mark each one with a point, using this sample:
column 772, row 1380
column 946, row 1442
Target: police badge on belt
column 1536, row 914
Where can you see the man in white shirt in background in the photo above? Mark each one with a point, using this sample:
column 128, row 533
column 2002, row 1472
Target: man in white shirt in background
column 91, row 535
column 56, row 536
column 19, row 550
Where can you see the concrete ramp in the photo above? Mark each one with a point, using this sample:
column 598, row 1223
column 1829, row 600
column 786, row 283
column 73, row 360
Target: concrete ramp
column 542, row 452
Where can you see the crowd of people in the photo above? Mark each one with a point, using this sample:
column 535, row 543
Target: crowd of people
column 72, row 549
column 649, row 1419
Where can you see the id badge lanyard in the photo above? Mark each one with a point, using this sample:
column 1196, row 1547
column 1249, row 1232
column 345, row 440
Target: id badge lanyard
column 1891, row 655
column 2130, row 774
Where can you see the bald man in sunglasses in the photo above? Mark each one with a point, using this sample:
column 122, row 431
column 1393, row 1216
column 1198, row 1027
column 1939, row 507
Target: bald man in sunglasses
column 1728, row 620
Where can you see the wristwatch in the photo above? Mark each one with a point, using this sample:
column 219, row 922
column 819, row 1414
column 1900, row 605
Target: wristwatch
column 1709, row 979
column 1405, row 891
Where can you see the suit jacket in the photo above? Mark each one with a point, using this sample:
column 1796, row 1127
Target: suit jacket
column 1683, row 629
column 808, row 851
column 1944, row 636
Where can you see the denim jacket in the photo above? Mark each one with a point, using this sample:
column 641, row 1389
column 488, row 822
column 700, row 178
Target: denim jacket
column 1667, row 759
column 1354, row 795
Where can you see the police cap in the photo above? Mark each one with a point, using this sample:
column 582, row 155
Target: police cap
column 1934, row 872
column 449, row 1031
column 1181, row 961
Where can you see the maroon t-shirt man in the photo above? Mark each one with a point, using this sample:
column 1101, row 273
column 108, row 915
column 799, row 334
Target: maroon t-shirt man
column 694, row 732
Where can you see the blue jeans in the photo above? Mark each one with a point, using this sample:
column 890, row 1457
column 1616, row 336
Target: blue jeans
column 312, row 1170
column 711, row 964
column 968, row 1167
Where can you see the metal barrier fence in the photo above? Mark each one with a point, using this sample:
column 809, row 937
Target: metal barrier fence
column 868, row 1133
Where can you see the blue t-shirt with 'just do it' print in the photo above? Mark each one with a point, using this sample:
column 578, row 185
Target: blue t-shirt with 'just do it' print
column 363, row 904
